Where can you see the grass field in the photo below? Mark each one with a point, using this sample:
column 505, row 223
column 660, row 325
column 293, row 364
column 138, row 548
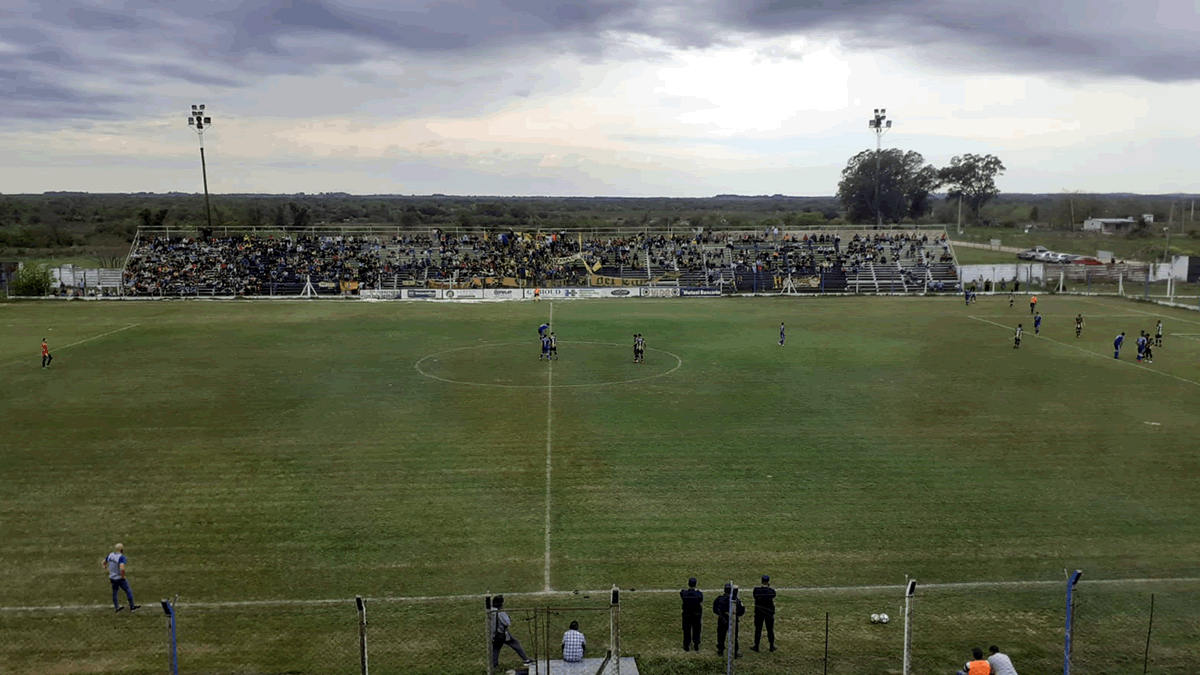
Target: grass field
column 293, row 453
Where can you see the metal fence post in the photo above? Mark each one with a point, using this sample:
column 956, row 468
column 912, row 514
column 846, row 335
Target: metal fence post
column 169, row 610
column 908, row 603
column 1149, row 631
column 362, row 632
column 1074, row 579
column 488, row 630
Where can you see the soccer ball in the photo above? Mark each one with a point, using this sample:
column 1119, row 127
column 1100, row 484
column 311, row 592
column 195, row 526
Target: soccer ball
column 875, row 618
column 883, row 618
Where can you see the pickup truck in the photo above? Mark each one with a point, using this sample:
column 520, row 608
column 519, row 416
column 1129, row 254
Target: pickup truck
column 1035, row 253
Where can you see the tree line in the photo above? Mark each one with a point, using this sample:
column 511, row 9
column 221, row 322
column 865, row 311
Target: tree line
column 898, row 186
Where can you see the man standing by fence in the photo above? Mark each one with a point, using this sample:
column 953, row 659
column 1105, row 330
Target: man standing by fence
column 501, row 635
column 727, row 609
column 115, row 565
column 764, row 612
column 693, row 612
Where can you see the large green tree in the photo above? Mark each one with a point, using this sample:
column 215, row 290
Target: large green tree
column 973, row 178
column 905, row 184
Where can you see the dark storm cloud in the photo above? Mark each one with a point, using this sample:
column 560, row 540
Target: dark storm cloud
column 65, row 45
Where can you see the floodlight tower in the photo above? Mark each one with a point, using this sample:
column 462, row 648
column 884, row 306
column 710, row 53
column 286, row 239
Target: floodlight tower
column 880, row 125
column 198, row 121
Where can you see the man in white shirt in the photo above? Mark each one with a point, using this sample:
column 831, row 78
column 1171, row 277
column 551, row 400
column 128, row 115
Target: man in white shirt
column 573, row 644
column 1001, row 664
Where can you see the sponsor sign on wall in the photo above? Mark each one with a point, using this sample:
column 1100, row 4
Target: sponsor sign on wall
column 700, row 292
column 421, row 294
column 503, row 293
column 463, row 294
column 653, row 292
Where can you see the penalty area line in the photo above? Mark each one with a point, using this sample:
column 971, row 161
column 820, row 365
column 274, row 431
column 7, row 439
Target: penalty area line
column 1088, row 351
column 97, row 337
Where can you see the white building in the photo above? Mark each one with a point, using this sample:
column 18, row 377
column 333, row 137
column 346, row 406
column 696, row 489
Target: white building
column 1109, row 225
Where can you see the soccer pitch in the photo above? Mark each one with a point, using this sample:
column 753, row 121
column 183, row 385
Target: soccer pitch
column 301, row 452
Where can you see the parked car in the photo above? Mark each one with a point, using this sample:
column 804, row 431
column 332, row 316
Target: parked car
column 1086, row 260
column 1033, row 253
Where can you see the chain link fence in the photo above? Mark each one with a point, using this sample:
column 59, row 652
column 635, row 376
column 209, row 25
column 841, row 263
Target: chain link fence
column 1118, row 628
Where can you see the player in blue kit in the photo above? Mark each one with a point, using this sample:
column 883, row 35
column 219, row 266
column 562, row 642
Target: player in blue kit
column 1117, row 342
column 545, row 348
column 542, row 330
column 782, row 334
column 1037, row 323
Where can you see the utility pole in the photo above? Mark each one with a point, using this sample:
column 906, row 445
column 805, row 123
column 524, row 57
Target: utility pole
column 880, row 125
column 199, row 122
column 960, row 214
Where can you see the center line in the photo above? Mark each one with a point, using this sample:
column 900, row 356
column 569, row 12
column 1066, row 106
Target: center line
column 549, row 418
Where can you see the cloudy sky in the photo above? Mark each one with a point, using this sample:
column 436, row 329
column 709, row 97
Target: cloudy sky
column 624, row 98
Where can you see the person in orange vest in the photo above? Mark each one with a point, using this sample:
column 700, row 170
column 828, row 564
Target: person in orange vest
column 1032, row 304
column 979, row 666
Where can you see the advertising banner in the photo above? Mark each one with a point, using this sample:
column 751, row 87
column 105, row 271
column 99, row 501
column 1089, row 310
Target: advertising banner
column 463, row 294
column 660, row 292
column 699, row 292
column 422, row 294
column 503, row 294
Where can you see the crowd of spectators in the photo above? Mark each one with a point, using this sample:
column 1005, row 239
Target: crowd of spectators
column 250, row 264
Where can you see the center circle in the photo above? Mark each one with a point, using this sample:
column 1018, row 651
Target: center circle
column 515, row 365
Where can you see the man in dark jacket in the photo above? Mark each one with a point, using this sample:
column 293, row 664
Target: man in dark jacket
column 693, row 612
column 764, row 612
column 723, row 611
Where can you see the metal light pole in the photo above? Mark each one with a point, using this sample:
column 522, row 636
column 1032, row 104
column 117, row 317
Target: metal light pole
column 880, row 125
column 1167, row 249
column 199, row 122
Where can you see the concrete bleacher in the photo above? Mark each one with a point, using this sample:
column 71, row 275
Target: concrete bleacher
column 588, row 666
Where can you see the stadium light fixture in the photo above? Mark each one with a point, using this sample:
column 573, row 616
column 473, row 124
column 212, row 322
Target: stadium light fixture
column 880, row 125
column 199, row 121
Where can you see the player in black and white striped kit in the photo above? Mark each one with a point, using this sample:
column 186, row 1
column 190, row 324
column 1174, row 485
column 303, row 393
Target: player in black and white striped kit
column 1078, row 324
column 1017, row 337
column 1158, row 334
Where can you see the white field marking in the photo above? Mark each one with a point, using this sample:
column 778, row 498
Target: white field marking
column 1139, row 312
column 1153, row 424
column 549, row 451
column 897, row 588
column 1088, row 351
column 1064, row 316
column 97, row 337
column 1187, row 336
column 417, row 366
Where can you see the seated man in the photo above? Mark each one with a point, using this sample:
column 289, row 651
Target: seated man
column 573, row 644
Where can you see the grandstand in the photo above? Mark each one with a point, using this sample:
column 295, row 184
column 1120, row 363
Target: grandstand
column 338, row 260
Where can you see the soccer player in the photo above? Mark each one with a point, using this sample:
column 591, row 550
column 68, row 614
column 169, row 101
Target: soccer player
column 641, row 348
column 1158, row 334
column 545, row 348
column 1078, row 324
column 553, row 346
column 1117, row 342
column 1141, row 345
column 542, row 329
column 1147, row 353
column 1010, row 300
column 1017, row 337
column 782, row 334
column 635, row 347
column 46, row 358
column 967, row 297
column 1032, row 304
column 1037, row 323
